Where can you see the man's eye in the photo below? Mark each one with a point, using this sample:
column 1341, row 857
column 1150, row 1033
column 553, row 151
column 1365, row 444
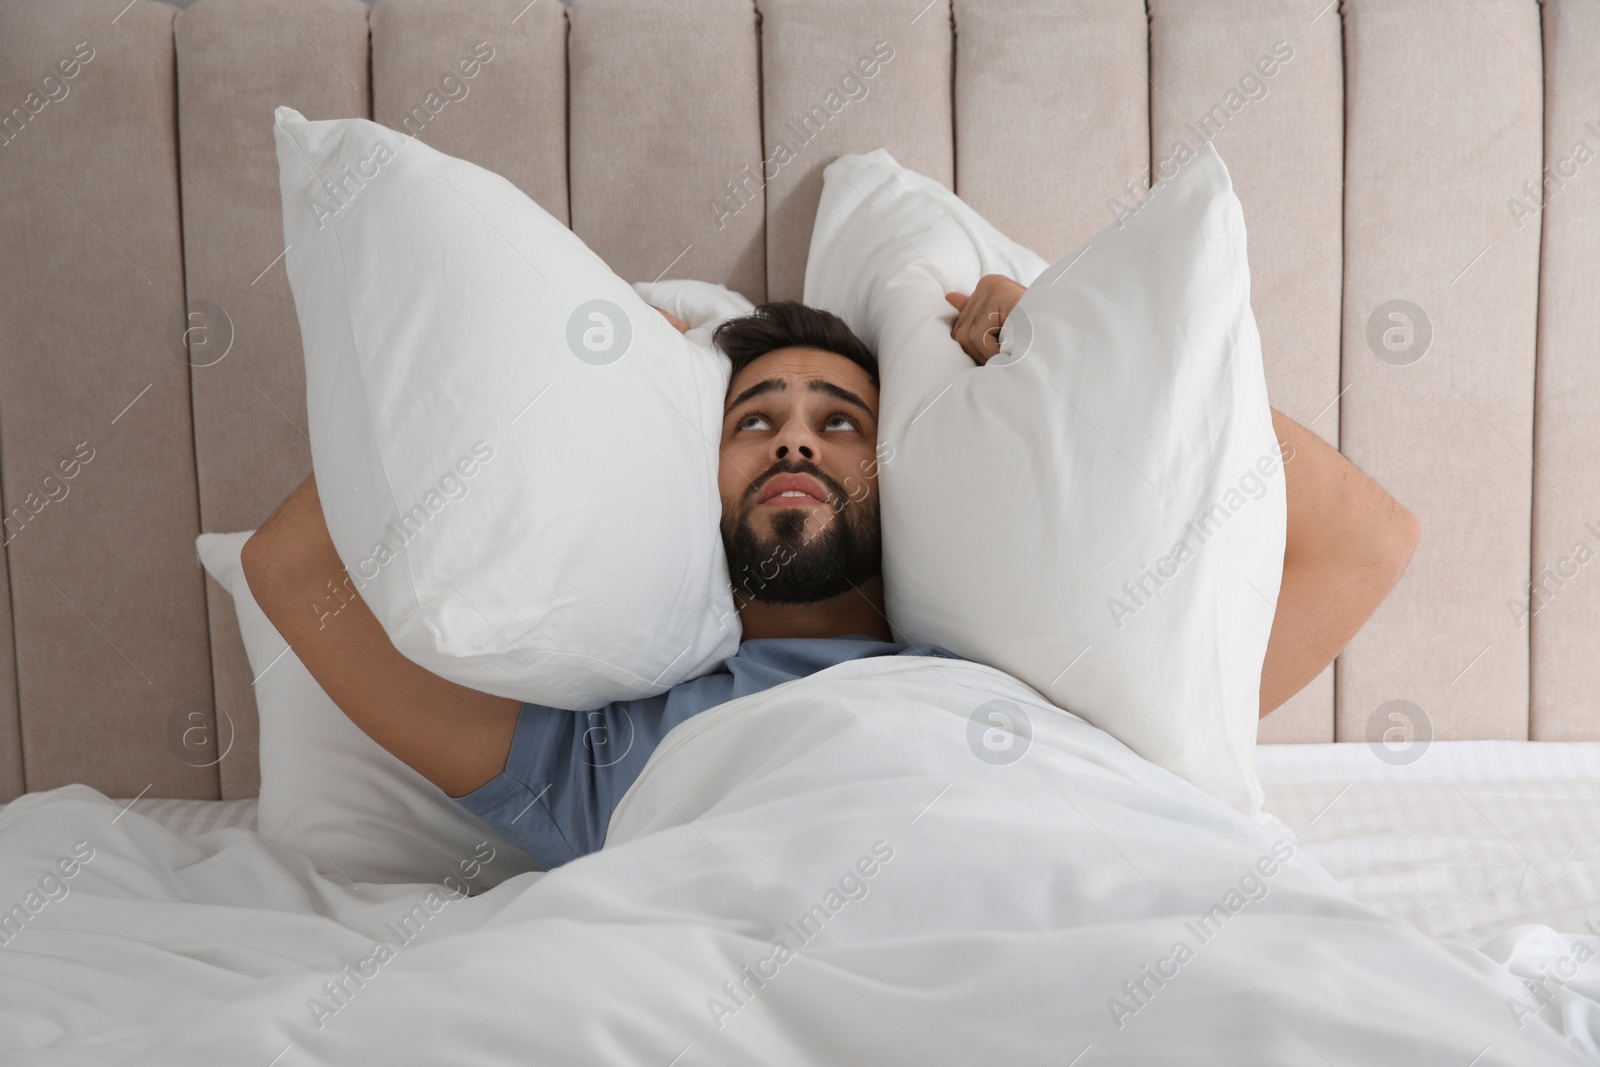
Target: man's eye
column 836, row 421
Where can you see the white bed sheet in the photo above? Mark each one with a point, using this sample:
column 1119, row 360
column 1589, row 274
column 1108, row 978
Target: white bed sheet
column 1078, row 904
column 1465, row 843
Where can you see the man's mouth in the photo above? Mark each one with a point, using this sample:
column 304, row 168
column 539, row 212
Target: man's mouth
column 793, row 491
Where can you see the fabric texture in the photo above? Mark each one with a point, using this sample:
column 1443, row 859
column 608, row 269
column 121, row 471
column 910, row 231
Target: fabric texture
column 1440, row 321
column 1049, row 193
column 840, row 76
column 95, row 550
column 1100, row 508
column 246, row 377
column 1464, row 840
column 190, row 818
column 567, row 771
column 1559, row 607
column 663, row 141
column 450, row 75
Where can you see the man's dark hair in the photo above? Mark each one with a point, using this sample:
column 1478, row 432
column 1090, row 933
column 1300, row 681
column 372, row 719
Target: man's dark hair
column 791, row 324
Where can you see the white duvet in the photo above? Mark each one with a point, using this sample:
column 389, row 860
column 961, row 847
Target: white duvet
column 853, row 868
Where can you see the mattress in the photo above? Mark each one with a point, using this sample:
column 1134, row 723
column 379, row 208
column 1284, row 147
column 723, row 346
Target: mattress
column 192, row 817
column 1471, row 839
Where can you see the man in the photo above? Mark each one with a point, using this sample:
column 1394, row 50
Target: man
column 800, row 526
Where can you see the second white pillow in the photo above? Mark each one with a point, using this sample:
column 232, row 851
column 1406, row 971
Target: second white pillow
column 1100, row 509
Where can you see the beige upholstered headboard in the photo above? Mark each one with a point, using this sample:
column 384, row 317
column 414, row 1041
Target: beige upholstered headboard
column 1417, row 179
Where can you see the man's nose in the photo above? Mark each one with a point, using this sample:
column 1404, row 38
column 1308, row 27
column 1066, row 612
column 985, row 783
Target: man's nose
column 795, row 437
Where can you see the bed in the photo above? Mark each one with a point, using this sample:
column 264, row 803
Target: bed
column 151, row 344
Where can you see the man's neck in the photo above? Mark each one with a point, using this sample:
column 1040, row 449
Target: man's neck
column 855, row 611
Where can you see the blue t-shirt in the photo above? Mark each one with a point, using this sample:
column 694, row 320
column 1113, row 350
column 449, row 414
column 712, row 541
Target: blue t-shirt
column 567, row 770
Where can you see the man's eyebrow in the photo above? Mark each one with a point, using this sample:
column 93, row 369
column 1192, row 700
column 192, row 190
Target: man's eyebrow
column 816, row 385
column 771, row 385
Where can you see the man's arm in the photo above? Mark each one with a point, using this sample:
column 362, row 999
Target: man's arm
column 455, row 737
column 1347, row 541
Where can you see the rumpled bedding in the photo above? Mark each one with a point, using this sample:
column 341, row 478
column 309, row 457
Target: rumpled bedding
column 898, row 860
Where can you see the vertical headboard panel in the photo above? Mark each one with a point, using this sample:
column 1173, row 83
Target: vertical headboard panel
column 483, row 80
column 108, row 603
column 1443, row 123
column 665, row 123
column 1562, row 609
column 237, row 60
column 1264, row 82
column 12, row 781
column 1076, row 70
column 812, row 115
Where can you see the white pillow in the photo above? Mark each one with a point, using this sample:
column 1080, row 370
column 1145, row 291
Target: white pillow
column 330, row 791
column 1128, row 400
column 517, row 458
column 704, row 306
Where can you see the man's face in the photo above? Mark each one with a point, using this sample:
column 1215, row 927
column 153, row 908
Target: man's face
column 799, row 477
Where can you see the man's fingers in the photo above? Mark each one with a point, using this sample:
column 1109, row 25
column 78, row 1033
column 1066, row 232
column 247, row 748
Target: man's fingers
column 979, row 316
column 991, row 335
column 980, row 332
column 677, row 323
column 961, row 328
column 972, row 328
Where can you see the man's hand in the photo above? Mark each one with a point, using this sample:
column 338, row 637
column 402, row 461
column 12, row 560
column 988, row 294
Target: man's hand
column 980, row 315
column 678, row 324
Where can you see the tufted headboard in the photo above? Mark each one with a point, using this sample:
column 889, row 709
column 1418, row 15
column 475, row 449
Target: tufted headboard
column 1418, row 179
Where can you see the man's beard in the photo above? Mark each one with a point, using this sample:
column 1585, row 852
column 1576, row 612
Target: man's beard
column 789, row 568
